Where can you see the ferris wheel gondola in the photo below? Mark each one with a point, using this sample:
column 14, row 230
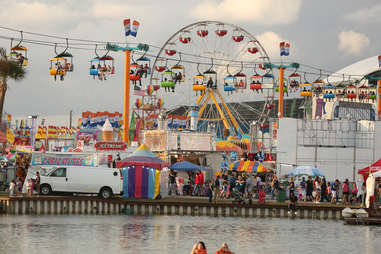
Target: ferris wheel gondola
column 170, row 51
column 256, row 81
column 240, row 79
column 306, row 88
column 185, row 37
column 221, row 31
column 202, row 31
column 178, row 71
column 237, row 35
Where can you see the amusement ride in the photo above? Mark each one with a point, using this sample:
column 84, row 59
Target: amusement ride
column 212, row 67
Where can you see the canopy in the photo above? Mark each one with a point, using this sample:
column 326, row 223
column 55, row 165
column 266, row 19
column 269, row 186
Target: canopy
column 375, row 167
column 185, row 166
column 248, row 166
column 306, row 171
column 143, row 156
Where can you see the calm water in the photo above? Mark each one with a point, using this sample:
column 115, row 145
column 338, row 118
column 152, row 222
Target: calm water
column 164, row 234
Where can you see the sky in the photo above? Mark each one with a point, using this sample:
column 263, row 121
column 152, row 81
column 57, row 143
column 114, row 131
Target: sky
column 326, row 34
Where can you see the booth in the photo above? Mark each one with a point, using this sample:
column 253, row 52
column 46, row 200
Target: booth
column 141, row 173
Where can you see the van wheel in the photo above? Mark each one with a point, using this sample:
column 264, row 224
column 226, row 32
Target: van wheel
column 105, row 193
column 45, row 189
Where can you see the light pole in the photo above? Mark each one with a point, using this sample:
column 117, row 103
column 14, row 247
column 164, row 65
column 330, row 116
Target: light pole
column 33, row 129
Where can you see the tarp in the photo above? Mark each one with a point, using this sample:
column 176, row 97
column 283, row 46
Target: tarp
column 186, row 166
column 248, row 166
column 375, row 167
column 140, row 182
column 306, row 171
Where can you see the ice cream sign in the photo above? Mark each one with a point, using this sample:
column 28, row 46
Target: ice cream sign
column 111, row 146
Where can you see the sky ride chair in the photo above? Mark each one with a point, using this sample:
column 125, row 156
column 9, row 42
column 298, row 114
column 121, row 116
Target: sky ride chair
column 198, row 84
column 210, row 77
column 167, row 81
column 256, row 81
column 241, row 80
column 19, row 53
column 61, row 64
column 178, row 71
column 229, row 82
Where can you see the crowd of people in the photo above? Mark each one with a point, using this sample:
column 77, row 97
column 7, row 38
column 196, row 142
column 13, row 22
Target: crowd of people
column 241, row 186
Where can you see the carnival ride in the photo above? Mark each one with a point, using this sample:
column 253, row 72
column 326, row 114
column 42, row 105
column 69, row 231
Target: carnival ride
column 102, row 66
column 220, row 63
column 214, row 60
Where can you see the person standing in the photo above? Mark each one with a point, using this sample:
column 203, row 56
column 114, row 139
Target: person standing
column 216, row 188
column 317, row 190
column 172, row 182
column 202, row 183
column 209, row 191
column 345, row 191
column 274, row 187
column 303, row 188
column 37, row 183
column 309, row 189
column 12, row 188
column 324, row 193
column 196, row 184
column 291, row 187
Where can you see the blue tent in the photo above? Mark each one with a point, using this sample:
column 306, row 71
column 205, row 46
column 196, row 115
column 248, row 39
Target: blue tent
column 185, row 166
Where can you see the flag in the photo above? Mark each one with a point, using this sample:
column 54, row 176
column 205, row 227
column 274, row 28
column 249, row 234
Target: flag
column 284, row 49
column 127, row 26
column 135, row 27
column 379, row 61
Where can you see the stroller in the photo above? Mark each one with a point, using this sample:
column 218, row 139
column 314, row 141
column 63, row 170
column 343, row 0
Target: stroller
column 238, row 194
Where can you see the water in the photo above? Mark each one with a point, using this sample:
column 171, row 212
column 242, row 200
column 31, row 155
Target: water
column 174, row 234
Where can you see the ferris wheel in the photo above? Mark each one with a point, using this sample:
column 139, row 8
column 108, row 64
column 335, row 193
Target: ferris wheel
column 218, row 67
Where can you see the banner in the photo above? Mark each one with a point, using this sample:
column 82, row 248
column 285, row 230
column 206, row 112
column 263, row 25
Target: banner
column 176, row 121
column 62, row 159
column 284, row 49
column 97, row 119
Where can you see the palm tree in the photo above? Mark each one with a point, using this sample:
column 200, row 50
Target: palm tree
column 9, row 69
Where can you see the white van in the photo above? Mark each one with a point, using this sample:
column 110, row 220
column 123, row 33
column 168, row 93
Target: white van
column 76, row 179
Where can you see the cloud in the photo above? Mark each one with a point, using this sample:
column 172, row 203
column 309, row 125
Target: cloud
column 269, row 12
column 366, row 15
column 39, row 15
column 270, row 42
column 352, row 43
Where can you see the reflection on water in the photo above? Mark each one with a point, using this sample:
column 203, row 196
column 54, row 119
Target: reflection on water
column 174, row 234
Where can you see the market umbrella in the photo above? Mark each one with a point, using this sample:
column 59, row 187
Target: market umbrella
column 248, row 166
column 143, row 156
column 306, row 171
column 185, row 166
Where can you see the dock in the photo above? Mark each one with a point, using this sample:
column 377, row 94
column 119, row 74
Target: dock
column 170, row 206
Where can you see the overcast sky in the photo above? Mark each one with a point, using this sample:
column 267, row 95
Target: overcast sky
column 324, row 33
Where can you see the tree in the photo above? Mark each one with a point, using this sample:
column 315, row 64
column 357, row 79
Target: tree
column 9, row 69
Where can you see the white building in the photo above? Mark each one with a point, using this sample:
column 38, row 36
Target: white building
column 337, row 147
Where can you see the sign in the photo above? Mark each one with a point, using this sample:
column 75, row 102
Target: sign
column 62, row 159
column 24, row 149
column 111, row 146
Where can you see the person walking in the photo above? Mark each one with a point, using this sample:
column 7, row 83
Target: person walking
column 37, row 181
column 274, row 187
column 303, row 185
column 317, row 190
column 172, row 182
column 291, row 186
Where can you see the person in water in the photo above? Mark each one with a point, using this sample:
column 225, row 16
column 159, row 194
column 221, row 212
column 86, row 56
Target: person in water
column 199, row 248
column 224, row 249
